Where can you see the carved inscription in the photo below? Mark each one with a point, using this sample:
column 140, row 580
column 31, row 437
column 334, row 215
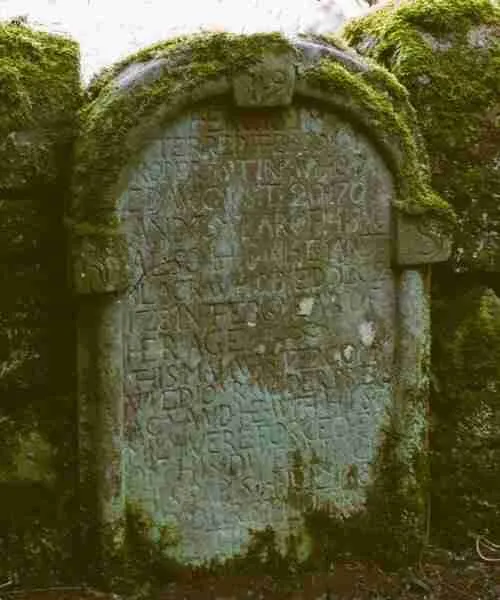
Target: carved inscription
column 259, row 323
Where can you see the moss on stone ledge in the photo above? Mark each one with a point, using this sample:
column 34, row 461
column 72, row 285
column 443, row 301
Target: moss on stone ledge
column 447, row 54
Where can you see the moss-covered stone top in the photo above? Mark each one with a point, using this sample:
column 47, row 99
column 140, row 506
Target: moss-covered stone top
column 126, row 100
column 39, row 95
column 447, row 55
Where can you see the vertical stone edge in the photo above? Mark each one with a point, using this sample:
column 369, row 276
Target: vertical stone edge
column 100, row 416
column 109, row 392
column 98, row 273
column 420, row 242
column 86, row 415
column 412, row 396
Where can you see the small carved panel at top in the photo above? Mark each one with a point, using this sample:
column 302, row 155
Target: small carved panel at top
column 269, row 83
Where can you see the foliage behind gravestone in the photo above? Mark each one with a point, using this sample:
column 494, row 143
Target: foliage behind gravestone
column 134, row 562
column 466, row 407
column 39, row 95
column 447, row 54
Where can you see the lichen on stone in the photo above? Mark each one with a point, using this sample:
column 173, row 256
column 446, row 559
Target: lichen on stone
column 40, row 94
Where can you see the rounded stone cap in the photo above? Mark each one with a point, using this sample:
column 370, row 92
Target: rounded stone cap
column 130, row 100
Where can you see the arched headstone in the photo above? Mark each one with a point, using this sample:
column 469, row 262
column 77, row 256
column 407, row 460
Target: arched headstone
column 261, row 310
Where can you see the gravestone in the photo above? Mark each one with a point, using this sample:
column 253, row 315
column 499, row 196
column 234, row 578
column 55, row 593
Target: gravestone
column 266, row 322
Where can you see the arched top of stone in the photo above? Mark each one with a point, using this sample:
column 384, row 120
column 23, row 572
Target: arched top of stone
column 445, row 53
column 130, row 100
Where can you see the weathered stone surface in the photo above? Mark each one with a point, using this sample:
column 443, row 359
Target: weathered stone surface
column 99, row 263
column 349, row 58
column 270, row 82
column 140, row 73
column 421, row 241
column 258, row 333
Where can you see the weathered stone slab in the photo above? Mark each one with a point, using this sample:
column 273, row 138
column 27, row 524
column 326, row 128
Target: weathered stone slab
column 248, row 371
column 258, row 331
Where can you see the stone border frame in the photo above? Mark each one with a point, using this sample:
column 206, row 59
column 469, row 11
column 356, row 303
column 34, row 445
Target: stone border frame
column 341, row 81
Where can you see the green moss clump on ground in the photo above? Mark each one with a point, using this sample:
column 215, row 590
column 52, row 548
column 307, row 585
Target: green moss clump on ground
column 391, row 528
column 447, row 54
column 132, row 561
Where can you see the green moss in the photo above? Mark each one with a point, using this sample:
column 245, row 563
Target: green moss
column 396, row 128
column 130, row 558
column 447, row 54
column 454, row 85
column 31, row 460
column 389, row 530
column 85, row 229
column 40, row 95
column 111, row 114
column 39, row 74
